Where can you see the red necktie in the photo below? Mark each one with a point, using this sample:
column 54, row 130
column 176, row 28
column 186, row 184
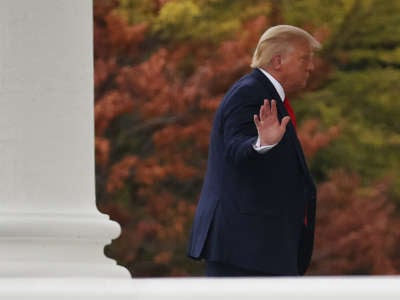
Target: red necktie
column 290, row 111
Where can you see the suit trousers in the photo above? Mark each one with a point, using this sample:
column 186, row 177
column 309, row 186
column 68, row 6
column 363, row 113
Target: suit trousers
column 218, row 269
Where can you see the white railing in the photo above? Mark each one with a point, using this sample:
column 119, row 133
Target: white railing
column 301, row 288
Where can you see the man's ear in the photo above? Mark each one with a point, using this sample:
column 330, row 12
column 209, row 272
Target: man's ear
column 276, row 62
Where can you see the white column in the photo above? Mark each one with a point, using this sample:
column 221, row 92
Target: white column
column 49, row 224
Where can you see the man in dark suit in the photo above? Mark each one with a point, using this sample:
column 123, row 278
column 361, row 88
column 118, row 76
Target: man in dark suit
column 256, row 212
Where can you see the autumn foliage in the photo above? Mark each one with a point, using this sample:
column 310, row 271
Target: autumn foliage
column 358, row 231
column 154, row 105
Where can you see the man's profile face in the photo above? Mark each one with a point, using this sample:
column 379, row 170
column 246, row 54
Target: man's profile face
column 297, row 65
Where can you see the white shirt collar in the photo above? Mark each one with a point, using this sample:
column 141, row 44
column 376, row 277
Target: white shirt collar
column 275, row 83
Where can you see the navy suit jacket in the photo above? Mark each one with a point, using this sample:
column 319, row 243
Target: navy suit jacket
column 251, row 209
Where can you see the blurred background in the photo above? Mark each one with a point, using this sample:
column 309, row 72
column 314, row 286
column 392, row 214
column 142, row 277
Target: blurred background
column 163, row 66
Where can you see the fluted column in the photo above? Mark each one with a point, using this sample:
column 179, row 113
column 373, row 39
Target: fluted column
column 49, row 224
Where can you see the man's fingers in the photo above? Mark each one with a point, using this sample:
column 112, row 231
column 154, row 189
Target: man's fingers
column 264, row 109
column 267, row 104
column 268, row 109
column 256, row 121
column 285, row 121
column 273, row 107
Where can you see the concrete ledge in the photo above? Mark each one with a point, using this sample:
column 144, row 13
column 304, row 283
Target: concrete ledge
column 307, row 288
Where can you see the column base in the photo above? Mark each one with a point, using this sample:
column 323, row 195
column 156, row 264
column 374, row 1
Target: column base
column 57, row 245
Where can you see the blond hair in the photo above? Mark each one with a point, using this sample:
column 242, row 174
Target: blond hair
column 279, row 40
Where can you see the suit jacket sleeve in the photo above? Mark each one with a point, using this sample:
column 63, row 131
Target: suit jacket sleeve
column 239, row 130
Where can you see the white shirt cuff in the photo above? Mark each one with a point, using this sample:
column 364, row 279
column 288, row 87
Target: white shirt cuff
column 262, row 149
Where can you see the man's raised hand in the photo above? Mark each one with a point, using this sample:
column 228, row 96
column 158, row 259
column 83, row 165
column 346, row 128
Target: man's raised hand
column 270, row 130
